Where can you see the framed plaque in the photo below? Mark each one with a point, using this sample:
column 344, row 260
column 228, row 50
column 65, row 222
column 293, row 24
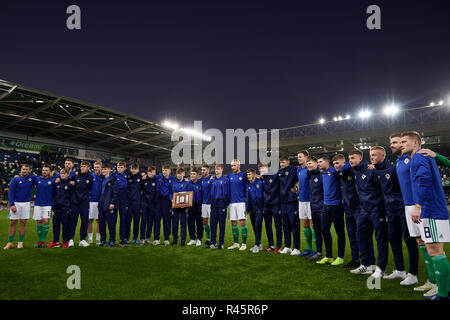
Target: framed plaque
column 183, row 199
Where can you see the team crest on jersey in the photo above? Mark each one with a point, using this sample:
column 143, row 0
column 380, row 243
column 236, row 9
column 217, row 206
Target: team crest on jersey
column 315, row 179
column 349, row 177
column 363, row 176
column 87, row 181
column 129, row 181
column 240, row 178
column 270, row 180
column 20, row 181
column 109, row 183
column 257, row 185
column 248, row 188
column 48, row 182
column 29, row 179
column 138, row 180
column 387, row 176
column 153, row 184
column 286, row 173
column 66, row 187
column 406, row 161
column 329, row 173
column 220, row 182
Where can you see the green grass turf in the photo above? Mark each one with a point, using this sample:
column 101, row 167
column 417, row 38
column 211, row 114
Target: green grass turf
column 159, row 272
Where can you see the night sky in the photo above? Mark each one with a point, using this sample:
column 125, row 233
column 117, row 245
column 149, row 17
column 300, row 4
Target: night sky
column 232, row 64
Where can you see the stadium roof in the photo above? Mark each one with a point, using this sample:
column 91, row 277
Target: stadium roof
column 40, row 114
column 432, row 122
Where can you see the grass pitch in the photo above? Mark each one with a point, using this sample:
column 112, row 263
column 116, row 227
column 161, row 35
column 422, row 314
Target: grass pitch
column 159, row 272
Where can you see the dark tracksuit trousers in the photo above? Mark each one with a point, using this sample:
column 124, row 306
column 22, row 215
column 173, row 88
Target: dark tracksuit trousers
column 195, row 222
column 107, row 217
column 291, row 224
column 367, row 223
column 350, row 223
column 165, row 209
column 135, row 212
column 157, row 221
column 179, row 215
column 218, row 216
column 274, row 212
column 61, row 217
column 125, row 217
column 256, row 217
column 397, row 226
column 333, row 214
column 148, row 214
column 82, row 210
column 317, row 225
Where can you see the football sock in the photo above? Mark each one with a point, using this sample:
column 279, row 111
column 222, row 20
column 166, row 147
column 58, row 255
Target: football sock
column 308, row 237
column 244, row 231
column 428, row 264
column 39, row 231
column 208, row 232
column 441, row 266
column 21, row 237
column 90, row 235
column 314, row 239
column 235, row 234
column 10, row 238
column 97, row 237
column 45, row 228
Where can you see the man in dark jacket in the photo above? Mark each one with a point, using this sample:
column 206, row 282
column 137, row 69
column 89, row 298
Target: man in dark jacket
column 106, row 205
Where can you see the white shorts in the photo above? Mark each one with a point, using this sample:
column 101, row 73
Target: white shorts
column 433, row 230
column 413, row 228
column 206, row 211
column 22, row 212
column 237, row 211
column 304, row 210
column 40, row 213
column 93, row 210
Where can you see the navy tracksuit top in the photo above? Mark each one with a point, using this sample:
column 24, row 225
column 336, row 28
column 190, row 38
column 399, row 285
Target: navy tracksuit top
column 349, row 194
column 109, row 193
column 255, row 193
column 179, row 186
column 164, row 185
column 122, row 181
column 315, row 190
column 62, row 193
column 134, row 187
column 390, row 186
column 271, row 188
column 369, row 188
column 196, row 187
column 82, row 187
column 287, row 178
column 220, row 191
column 149, row 191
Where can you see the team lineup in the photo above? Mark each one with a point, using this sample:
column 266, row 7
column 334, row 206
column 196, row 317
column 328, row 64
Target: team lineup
column 397, row 202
